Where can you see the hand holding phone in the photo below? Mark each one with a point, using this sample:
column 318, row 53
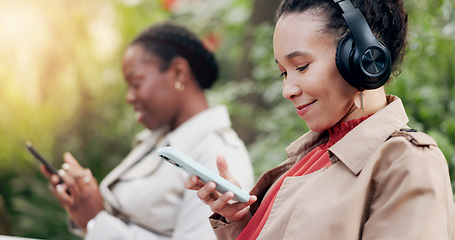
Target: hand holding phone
column 192, row 167
column 40, row 158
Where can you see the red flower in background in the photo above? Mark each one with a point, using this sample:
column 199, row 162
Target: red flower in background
column 211, row 41
column 168, row 4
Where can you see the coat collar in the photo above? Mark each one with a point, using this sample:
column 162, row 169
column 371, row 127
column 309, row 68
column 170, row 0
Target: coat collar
column 144, row 141
column 358, row 144
column 212, row 119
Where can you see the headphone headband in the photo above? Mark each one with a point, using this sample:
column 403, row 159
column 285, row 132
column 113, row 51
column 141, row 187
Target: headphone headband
column 345, row 6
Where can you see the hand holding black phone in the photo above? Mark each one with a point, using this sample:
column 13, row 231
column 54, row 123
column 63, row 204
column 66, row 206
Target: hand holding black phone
column 40, row 158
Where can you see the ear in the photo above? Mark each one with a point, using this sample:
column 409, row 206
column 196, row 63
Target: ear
column 181, row 70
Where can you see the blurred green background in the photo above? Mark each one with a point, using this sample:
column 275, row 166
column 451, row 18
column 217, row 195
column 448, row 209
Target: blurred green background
column 61, row 87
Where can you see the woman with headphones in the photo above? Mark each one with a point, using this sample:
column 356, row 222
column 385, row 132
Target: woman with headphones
column 360, row 172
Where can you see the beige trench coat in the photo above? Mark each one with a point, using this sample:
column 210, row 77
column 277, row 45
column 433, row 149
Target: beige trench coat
column 375, row 189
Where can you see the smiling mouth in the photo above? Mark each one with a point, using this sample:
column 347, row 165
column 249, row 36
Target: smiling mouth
column 139, row 115
column 305, row 105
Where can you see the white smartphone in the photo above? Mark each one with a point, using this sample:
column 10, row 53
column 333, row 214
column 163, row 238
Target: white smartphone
column 192, row 167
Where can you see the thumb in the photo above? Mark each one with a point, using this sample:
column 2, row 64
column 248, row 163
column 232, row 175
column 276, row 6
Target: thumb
column 223, row 167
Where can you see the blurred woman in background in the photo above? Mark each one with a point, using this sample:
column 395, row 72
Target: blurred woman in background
column 166, row 68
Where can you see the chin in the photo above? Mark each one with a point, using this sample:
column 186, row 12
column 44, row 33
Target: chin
column 154, row 126
column 317, row 127
column 149, row 125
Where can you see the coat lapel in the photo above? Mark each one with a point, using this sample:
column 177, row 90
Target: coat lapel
column 144, row 145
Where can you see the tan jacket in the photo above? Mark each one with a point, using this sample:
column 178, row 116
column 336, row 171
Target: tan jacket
column 375, row 189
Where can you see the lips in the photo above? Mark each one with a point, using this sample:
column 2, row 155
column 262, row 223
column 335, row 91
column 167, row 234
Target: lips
column 302, row 109
column 139, row 114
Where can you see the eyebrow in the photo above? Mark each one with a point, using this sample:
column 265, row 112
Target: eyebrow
column 295, row 54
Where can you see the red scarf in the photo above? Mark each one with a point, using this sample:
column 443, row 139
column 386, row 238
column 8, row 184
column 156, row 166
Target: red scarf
column 317, row 159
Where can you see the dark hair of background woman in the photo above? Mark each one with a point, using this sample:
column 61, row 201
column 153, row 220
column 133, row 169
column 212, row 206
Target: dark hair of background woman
column 168, row 41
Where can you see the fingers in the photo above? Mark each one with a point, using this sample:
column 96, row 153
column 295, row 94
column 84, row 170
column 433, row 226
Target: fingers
column 220, row 203
column 223, row 204
column 230, row 208
column 62, row 193
column 74, row 175
column 70, row 182
column 54, row 180
column 74, row 188
column 44, row 171
column 71, row 161
column 78, row 180
column 207, row 193
column 88, row 180
column 78, row 183
column 193, row 183
column 59, row 190
column 71, row 167
column 223, row 167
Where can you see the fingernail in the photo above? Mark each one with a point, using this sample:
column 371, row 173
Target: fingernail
column 211, row 185
column 87, row 179
column 228, row 195
column 194, row 178
column 61, row 172
column 66, row 166
column 59, row 188
column 88, row 172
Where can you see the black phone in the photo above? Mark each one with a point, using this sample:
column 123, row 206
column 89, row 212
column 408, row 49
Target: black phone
column 40, row 158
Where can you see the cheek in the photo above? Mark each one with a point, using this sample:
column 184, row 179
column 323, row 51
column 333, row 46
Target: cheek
column 342, row 97
column 338, row 100
column 156, row 87
column 149, row 91
column 317, row 82
column 337, row 85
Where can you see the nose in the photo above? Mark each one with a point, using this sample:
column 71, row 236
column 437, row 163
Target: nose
column 130, row 96
column 291, row 89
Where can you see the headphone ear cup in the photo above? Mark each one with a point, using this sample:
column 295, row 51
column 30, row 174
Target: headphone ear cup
column 354, row 66
column 343, row 55
column 374, row 66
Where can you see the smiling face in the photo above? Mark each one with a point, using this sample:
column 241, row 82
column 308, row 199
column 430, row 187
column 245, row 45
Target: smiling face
column 150, row 90
column 305, row 55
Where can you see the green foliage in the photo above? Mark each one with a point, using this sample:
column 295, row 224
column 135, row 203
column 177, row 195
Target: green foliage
column 427, row 82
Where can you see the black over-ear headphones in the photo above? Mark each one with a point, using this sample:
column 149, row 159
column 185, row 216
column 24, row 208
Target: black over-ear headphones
column 362, row 59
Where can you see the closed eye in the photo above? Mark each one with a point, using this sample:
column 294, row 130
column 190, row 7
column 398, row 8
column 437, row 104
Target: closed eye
column 133, row 85
column 284, row 74
column 301, row 69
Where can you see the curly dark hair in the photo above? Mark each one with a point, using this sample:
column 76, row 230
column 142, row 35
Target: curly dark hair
column 168, row 40
column 388, row 20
